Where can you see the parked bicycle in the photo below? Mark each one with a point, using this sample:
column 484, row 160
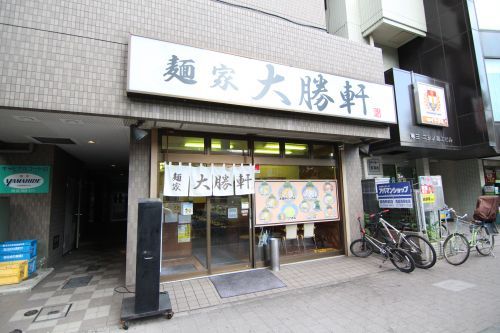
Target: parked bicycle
column 457, row 247
column 364, row 246
column 421, row 250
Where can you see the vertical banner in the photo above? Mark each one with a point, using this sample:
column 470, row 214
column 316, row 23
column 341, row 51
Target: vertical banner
column 200, row 182
column 223, row 179
column 176, row 183
column 244, row 179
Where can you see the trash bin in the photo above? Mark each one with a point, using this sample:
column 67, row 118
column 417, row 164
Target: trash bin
column 275, row 254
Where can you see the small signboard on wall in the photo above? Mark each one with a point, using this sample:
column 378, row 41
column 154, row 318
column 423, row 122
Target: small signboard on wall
column 295, row 201
column 23, row 179
column 395, row 195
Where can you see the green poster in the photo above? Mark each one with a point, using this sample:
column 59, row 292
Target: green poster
column 24, row 179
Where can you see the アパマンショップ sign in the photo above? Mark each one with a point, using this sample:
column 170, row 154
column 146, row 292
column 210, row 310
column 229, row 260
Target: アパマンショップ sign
column 167, row 69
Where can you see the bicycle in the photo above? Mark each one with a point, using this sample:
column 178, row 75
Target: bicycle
column 457, row 247
column 420, row 249
column 364, row 246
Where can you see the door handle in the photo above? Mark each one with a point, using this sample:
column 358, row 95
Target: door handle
column 148, row 258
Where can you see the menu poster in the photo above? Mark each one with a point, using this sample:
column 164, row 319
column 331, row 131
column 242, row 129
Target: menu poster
column 295, row 201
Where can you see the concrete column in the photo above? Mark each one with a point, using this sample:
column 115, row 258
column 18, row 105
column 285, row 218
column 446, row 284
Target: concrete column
column 422, row 165
column 352, row 195
column 138, row 187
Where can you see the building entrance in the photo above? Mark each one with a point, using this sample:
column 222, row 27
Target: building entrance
column 215, row 238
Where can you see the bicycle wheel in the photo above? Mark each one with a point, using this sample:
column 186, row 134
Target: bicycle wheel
column 485, row 241
column 456, row 249
column 420, row 250
column 401, row 260
column 361, row 248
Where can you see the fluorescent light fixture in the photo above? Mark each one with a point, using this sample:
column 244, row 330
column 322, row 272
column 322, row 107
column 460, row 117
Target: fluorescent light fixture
column 91, row 142
column 266, row 151
column 194, row 145
column 292, row 146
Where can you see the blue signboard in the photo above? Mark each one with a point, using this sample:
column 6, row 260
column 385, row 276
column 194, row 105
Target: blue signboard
column 395, row 195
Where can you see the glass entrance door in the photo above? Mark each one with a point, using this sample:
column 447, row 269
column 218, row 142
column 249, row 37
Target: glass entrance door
column 229, row 233
column 215, row 238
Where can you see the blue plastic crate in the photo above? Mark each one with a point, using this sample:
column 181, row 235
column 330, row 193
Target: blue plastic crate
column 17, row 249
column 29, row 245
column 16, row 256
column 32, row 266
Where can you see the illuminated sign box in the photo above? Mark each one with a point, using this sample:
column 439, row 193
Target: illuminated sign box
column 430, row 102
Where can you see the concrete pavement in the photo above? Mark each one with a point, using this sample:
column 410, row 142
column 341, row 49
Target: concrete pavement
column 342, row 294
column 444, row 298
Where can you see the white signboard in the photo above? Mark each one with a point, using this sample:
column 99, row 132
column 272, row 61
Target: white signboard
column 244, row 179
column 223, row 179
column 183, row 181
column 374, row 166
column 200, row 183
column 167, row 69
column 431, row 105
column 176, row 181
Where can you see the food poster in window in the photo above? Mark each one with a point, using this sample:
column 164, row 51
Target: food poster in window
column 295, row 201
column 184, row 233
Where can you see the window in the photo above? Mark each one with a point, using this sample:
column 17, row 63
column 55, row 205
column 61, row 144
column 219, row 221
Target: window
column 493, row 73
column 484, row 12
column 266, row 148
column 229, row 146
column 296, row 150
column 182, row 143
column 322, row 151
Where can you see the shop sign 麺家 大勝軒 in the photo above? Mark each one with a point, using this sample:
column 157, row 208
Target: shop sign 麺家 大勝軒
column 22, row 179
column 173, row 70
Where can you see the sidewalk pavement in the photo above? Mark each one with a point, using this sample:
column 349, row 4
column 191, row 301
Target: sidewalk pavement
column 340, row 294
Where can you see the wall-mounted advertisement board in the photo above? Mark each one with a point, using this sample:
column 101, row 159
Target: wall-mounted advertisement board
column 279, row 202
column 22, row 179
column 431, row 105
column 395, row 195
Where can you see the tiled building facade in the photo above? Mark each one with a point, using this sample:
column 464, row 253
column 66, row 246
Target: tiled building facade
column 71, row 59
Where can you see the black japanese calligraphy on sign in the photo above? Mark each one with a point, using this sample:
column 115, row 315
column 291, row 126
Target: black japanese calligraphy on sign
column 318, row 95
column 182, row 70
column 272, row 79
column 348, row 96
column 222, row 182
column 224, row 77
column 176, row 182
column 201, row 182
column 241, row 181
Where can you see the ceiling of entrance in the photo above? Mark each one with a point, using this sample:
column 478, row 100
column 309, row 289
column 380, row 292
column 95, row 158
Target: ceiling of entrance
column 110, row 135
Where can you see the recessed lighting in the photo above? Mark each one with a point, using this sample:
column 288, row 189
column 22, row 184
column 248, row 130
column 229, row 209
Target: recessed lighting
column 72, row 121
column 26, row 119
column 91, row 142
column 113, row 165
